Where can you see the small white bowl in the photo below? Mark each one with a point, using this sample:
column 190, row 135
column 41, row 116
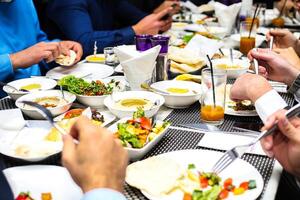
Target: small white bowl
column 236, row 38
column 98, row 101
column 232, row 72
column 109, row 102
column 46, row 84
column 34, row 114
column 174, row 100
column 137, row 154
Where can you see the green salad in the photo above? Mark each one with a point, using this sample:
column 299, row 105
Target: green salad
column 81, row 87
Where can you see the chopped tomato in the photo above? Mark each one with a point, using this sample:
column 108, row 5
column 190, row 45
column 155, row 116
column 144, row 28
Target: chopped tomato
column 227, row 182
column 73, row 113
column 24, row 196
column 223, row 194
column 203, row 182
column 238, row 191
column 245, row 185
column 143, row 121
column 187, row 196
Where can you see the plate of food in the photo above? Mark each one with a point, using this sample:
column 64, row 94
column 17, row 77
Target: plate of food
column 186, row 174
column 81, row 70
column 53, row 100
column 30, row 143
column 124, row 104
column 98, row 58
column 42, row 182
column 28, row 85
column 139, row 134
column 91, row 93
column 98, row 117
column 233, row 68
column 225, row 53
column 241, row 108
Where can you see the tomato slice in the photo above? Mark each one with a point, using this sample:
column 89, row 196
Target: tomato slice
column 223, row 194
column 203, row 182
column 227, row 182
column 245, row 185
column 143, row 121
column 73, row 113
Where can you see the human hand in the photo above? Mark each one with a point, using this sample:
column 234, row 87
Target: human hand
column 152, row 23
column 174, row 4
column 283, row 38
column 290, row 55
column 71, row 45
column 249, row 87
column 47, row 51
column 284, row 145
column 98, row 161
column 273, row 66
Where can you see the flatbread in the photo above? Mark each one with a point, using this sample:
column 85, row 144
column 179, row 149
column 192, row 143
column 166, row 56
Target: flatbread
column 184, row 56
column 185, row 68
column 156, row 175
column 66, row 60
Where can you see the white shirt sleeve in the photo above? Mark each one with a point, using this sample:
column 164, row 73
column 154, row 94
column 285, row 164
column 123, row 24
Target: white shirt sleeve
column 268, row 104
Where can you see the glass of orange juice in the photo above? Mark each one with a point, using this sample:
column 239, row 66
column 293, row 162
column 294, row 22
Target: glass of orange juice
column 213, row 113
column 247, row 41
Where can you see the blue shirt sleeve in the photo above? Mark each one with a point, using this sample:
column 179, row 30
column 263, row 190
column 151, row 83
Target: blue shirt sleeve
column 105, row 194
column 76, row 23
column 6, row 68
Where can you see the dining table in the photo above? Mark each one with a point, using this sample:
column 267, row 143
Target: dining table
column 181, row 138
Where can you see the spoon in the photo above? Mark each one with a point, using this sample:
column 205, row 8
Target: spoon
column 231, row 56
column 18, row 90
column 146, row 86
column 46, row 114
column 255, row 64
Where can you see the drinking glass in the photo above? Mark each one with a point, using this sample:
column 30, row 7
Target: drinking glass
column 212, row 111
column 143, row 42
column 247, row 41
column 163, row 41
column 110, row 56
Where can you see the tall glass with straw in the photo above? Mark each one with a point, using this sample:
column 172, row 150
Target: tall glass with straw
column 213, row 97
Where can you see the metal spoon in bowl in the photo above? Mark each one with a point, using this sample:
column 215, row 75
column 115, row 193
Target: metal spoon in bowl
column 146, row 86
column 12, row 87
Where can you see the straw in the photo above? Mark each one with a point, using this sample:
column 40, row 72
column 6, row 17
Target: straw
column 253, row 19
column 212, row 79
column 281, row 11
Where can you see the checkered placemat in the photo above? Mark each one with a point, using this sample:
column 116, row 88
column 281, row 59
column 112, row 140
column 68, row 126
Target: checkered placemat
column 182, row 140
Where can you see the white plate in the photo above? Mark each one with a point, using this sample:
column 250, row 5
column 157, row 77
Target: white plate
column 81, row 70
column 119, row 69
column 32, row 136
column 136, row 154
column 38, row 179
column 231, row 111
column 108, row 117
column 239, row 171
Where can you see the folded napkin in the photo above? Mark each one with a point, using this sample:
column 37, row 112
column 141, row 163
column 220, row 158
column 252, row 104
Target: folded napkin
column 126, row 52
column 203, row 46
column 227, row 141
column 11, row 120
column 227, row 14
column 139, row 69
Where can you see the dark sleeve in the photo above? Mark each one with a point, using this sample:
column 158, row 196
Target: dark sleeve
column 127, row 13
column 74, row 21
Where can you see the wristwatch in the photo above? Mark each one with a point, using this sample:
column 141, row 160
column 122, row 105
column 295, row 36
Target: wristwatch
column 295, row 86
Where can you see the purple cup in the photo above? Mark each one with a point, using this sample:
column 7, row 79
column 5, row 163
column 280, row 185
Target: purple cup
column 143, row 42
column 161, row 40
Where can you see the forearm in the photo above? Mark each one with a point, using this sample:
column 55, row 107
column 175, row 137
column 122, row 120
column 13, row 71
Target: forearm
column 103, row 193
column 6, row 68
column 297, row 47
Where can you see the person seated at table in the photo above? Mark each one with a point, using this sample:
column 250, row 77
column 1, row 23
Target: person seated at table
column 87, row 21
column 155, row 6
column 24, row 47
column 284, row 145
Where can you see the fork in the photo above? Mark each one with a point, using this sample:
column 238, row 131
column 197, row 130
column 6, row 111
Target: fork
column 46, row 114
column 236, row 152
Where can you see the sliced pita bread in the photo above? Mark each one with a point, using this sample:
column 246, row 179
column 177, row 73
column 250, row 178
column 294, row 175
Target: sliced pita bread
column 180, row 55
column 185, row 68
column 66, row 60
column 156, row 175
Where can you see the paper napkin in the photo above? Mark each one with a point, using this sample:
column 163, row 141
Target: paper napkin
column 222, row 141
column 139, row 69
column 227, row 14
column 11, row 120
